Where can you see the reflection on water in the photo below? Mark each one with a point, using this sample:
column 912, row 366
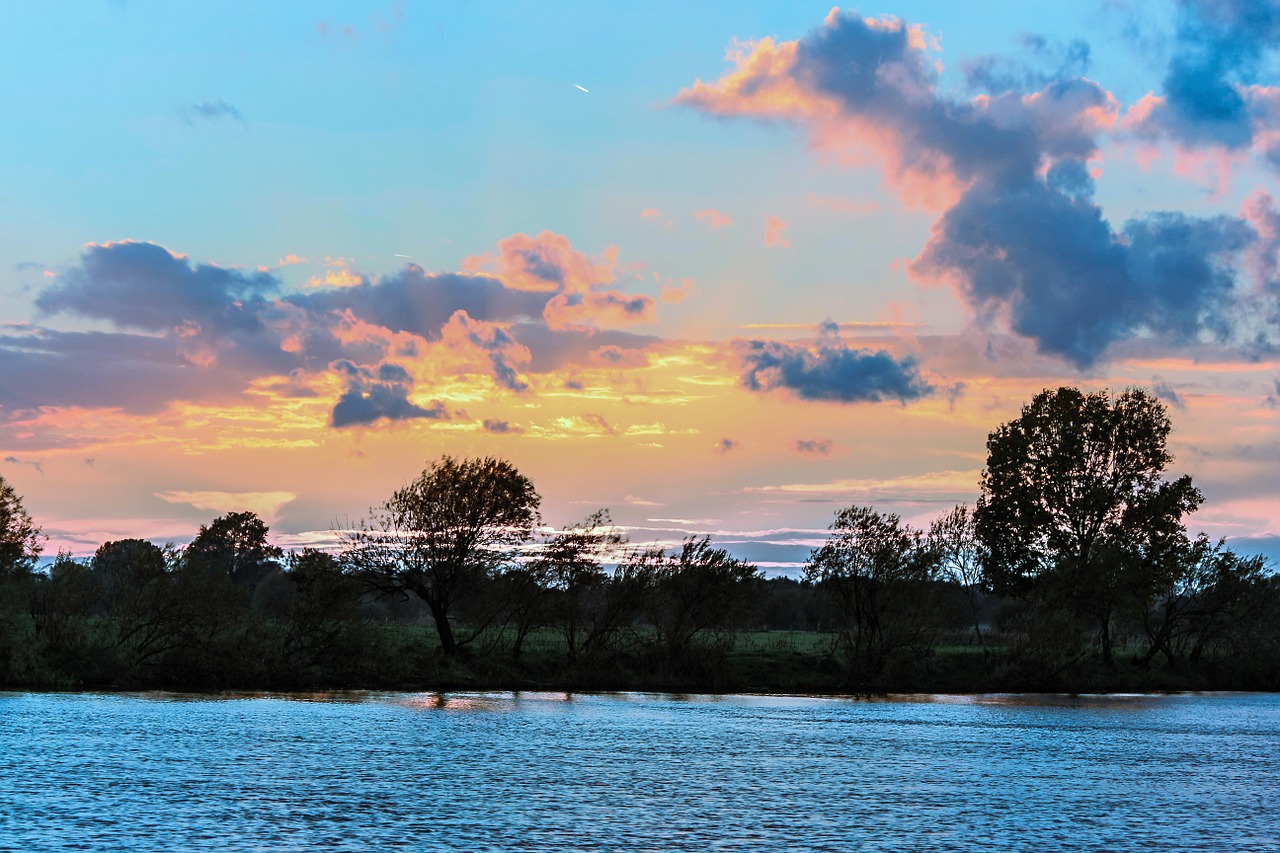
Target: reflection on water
column 631, row 771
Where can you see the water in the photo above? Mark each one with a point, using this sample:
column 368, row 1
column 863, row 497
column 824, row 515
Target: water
column 626, row 772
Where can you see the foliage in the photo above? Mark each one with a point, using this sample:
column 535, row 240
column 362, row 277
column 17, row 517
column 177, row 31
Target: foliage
column 953, row 540
column 1074, row 509
column 696, row 596
column 571, row 565
column 20, row 539
column 883, row 575
column 236, row 545
column 446, row 533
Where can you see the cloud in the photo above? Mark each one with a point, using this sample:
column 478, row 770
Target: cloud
column 463, row 334
column 774, row 232
column 265, row 504
column 374, row 394
column 813, row 446
column 500, row 427
column 1164, row 391
column 829, row 370
column 208, row 110
column 144, row 286
column 1207, row 97
column 597, row 308
column 674, row 294
column 724, row 445
column 545, row 263
column 650, row 212
column 1046, row 61
column 1020, row 236
column 190, row 331
column 712, row 217
column 37, row 465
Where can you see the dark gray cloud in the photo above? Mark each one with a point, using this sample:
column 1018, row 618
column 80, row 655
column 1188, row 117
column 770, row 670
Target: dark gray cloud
column 37, row 465
column 830, row 370
column 413, row 301
column 1068, row 282
column 1164, row 391
column 499, row 426
column 208, row 110
column 374, row 394
column 1219, row 49
column 1026, row 239
column 145, row 286
column 136, row 373
column 813, row 446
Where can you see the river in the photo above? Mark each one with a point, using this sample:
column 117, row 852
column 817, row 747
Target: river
column 632, row 772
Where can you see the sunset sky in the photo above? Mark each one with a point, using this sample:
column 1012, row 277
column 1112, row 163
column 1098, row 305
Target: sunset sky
column 716, row 267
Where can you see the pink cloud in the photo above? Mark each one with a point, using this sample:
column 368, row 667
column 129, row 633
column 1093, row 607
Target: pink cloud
column 650, row 212
column 673, row 294
column 545, row 263
column 712, row 217
column 774, row 232
column 597, row 308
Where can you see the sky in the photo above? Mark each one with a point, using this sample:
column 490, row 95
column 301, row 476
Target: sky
column 720, row 268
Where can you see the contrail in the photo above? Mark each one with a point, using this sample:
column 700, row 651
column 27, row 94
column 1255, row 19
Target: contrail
column 583, row 88
column 398, row 255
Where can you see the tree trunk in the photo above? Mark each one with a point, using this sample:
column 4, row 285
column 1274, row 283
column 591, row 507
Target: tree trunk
column 448, row 644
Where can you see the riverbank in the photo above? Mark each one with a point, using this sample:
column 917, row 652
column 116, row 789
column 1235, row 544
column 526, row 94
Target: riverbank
column 398, row 657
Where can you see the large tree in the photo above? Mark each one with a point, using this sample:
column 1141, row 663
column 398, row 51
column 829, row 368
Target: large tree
column 449, row 530
column 1074, row 503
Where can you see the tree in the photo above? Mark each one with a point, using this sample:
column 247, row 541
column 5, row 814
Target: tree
column 954, row 542
column 696, row 592
column 571, row 566
column 445, row 533
column 135, row 590
column 236, row 545
column 1073, row 503
column 20, row 545
column 20, row 539
column 882, row 575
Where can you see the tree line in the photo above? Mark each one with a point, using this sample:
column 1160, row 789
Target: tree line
column 1074, row 570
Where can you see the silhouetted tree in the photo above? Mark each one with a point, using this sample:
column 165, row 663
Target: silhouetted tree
column 445, row 533
column 1073, row 501
column 696, row 593
column 136, row 592
column 571, row 565
column 20, row 545
column 955, row 544
column 323, row 630
column 235, row 544
column 883, row 576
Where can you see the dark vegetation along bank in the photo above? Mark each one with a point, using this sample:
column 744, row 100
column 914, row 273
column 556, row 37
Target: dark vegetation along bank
column 1074, row 572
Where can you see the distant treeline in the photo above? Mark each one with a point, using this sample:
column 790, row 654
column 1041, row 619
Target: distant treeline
column 1074, row 572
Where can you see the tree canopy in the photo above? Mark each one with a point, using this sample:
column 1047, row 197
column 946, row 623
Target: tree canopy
column 452, row 527
column 1074, row 499
column 20, row 540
